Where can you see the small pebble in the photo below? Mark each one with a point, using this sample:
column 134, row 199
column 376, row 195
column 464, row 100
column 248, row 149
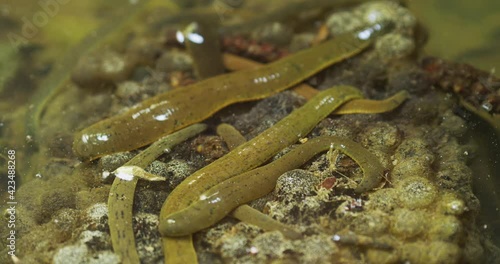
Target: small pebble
column 417, row 192
column 296, row 185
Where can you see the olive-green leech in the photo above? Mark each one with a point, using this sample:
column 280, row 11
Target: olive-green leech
column 245, row 213
column 178, row 108
column 230, row 135
column 202, row 42
column 246, row 157
column 122, row 192
column 218, row 201
column 249, row 215
column 367, row 106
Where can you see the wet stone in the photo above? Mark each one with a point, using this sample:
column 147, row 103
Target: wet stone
column 112, row 162
column 453, row 175
column 417, row 192
column 414, row 147
column 450, row 204
column 413, row 167
column 174, row 61
column 341, row 22
column 100, row 69
column 370, row 223
column 295, row 185
column 395, row 46
column 271, row 244
column 452, row 151
column 177, row 170
column 383, row 256
column 315, row 249
column 407, row 223
column 431, row 253
column 65, row 221
column 444, row 228
column 385, row 200
column 148, row 238
column 454, row 124
column 380, row 136
column 95, row 240
column 233, row 245
column 96, row 217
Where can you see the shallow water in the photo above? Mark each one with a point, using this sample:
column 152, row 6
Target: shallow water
column 457, row 31
column 462, row 30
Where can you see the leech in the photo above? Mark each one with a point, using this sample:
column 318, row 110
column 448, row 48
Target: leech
column 245, row 212
column 60, row 75
column 217, row 202
column 237, row 63
column 127, row 172
column 366, row 106
column 246, row 157
column 230, row 135
column 357, row 106
column 180, row 249
column 252, row 216
column 121, row 197
column 178, row 108
column 202, row 43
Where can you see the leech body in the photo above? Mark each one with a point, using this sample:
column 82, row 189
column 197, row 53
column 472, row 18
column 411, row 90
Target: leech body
column 230, row 135
column 260, row 149
column 178, row 108
column 248, row 156
column 120, row 201
column 206, row 53
column 220, row 200
column 367, row 106
column 249, row 215
column 246, row 213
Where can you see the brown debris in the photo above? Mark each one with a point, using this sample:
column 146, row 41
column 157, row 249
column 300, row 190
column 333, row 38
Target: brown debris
column 475, row 86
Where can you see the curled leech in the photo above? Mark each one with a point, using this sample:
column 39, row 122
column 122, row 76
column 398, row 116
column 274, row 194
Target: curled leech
column 246, row 213
column 183, row 245
column 221, row 199
column 246, row 157
column 180, row 249
column 261, row 148
column 178, row 108
column 121, row 198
